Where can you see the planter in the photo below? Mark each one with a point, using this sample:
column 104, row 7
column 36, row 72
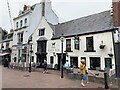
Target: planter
column 31, row 51
column 102, row 46
column 111, row 55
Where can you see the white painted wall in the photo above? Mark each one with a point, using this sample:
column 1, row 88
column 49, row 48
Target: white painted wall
column 50, row 16
column 34, row 18
column 48, row 34
column 107, row 40
column 105, row 37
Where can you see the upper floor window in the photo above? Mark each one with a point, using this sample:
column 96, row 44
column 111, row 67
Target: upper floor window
column 2, row 46
column 21, row 23
column 68, row 44
column 20, row 37
column 25, row 21
column 41, row 46
column 7, row 45
column 16, row 24
column 41, row 32
column 76, row 43
column 89, row 44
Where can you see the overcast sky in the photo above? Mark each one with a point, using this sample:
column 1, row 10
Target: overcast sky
column 65, row 9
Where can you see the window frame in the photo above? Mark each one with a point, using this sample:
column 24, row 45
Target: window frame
column 20, row 37
column 21, row 23
column 25, row 21
column 17, row 24
column 68, row 45
column 89, row 44
column 42, row 32
column 110, row 66
column 7, row 45
column 76, row 45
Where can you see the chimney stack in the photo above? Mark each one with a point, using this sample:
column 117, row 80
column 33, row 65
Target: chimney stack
column 25, row 8
column 116, row 12
column 43, row 7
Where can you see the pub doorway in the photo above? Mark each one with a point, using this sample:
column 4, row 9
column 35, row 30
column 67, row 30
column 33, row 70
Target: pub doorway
column 40, row 60
column 59, row 60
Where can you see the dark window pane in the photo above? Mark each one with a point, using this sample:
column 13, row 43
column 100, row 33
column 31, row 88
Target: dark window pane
column 25, row 20
column 108, row 63
column 17, row 25
column 41, row 32
column 20, row 37
column 76, row 43
column 89, row 44
column 68, row 45
column 51, row 59
column 41, row 46
column 94, row 62
column 21, row 23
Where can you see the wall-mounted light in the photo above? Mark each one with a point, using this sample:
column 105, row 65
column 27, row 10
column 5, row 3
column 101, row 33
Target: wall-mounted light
column 102, row 46
column 54, row 54
column 110, row 53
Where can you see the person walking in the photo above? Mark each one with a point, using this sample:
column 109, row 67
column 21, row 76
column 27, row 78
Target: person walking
column 45, row 66
column 66, row 66
column 83, row 72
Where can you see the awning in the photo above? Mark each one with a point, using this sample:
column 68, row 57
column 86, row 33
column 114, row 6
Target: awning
column 2, row 54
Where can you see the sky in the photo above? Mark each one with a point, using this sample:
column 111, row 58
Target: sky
column 66, row 10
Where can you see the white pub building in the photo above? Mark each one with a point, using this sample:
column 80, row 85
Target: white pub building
column 91, row 38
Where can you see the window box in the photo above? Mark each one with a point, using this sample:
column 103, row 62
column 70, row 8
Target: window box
column 102, row 46
column 31, row 51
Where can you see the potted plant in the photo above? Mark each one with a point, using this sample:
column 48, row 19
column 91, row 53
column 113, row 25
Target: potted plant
column 110, row 54
column 102, row 46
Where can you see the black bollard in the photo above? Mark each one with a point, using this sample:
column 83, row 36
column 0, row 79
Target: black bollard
column 106, row 80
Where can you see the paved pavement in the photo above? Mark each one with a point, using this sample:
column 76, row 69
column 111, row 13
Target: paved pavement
column 22, row 79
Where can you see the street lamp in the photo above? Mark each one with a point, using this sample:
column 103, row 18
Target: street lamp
column 62, row 40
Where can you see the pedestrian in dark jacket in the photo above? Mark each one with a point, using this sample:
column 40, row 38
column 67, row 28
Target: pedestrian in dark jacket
column 45, row 66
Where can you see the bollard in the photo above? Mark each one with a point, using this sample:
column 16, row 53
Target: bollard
column 106, row 80
column 106, row 77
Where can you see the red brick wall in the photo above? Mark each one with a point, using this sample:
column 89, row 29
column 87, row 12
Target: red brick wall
column 116, row 12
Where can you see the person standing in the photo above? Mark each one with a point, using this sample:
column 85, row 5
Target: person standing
column 66, row 66
column 83, row 72
column 45, row 66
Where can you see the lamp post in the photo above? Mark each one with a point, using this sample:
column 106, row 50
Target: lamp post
column 30, row 60
column 62, row 39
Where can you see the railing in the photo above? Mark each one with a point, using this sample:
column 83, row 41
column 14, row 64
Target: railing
column 21, row 66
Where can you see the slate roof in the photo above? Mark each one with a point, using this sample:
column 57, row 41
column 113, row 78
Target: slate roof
column 92, row 23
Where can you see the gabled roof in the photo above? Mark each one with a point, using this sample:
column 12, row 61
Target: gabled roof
column 92, row 23
column 52, row 26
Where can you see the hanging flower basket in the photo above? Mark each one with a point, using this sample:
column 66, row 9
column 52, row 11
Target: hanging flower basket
column 31, row 51
column 110, row 54
column 102, row 46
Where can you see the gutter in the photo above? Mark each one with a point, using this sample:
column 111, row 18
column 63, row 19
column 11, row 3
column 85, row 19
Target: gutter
column 112, row 29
